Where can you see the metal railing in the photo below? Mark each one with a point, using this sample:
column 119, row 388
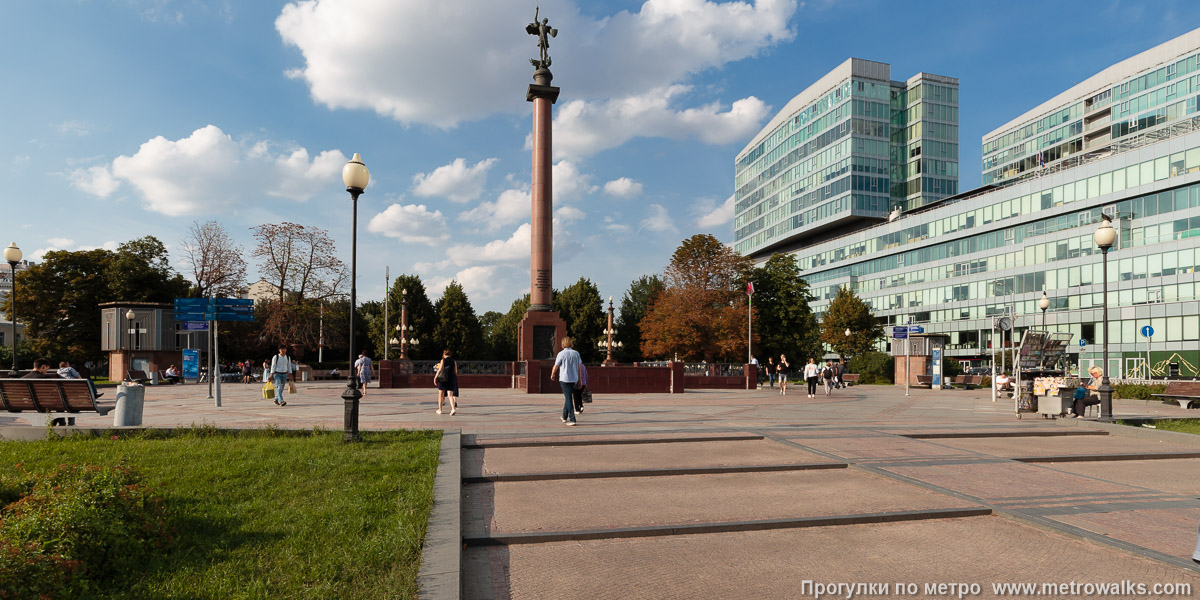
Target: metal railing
column 465, row 367
column 714, row 369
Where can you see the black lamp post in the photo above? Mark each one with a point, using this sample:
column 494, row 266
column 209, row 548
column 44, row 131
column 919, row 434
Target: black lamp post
column 12, row 254
column 1105, row 237
column 1043, row 304
column 356, row 177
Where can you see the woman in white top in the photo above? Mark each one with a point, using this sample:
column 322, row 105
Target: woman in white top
column 811, row 372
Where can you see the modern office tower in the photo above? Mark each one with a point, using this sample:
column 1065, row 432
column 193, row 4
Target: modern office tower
column 954, row 265
column 1150, row 92
column 843, row 154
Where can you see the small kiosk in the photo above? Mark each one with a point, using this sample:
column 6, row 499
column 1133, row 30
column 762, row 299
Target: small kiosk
column 1041, row 386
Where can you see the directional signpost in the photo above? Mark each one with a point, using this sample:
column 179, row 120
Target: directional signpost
column 1148, row 332
column 198, row 312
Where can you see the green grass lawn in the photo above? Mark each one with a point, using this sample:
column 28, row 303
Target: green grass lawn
column 270, row 514
column 1183, row 425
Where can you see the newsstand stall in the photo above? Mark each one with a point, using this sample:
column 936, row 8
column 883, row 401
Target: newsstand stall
column 1041, row 386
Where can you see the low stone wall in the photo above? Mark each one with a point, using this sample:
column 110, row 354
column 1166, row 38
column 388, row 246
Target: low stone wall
column 534, row 377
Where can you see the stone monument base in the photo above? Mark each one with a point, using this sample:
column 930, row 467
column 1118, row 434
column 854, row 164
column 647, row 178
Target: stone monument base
column 539, row 336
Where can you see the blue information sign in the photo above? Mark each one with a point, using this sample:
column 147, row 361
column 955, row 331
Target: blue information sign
column 214, row 309
column 916, row 329
column 191, row 363
column 1082, row 342
column 937, row 366
column 1147, row 331
column 900, row 332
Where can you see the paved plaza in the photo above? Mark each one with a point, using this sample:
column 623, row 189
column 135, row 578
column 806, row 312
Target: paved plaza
column 749, row 494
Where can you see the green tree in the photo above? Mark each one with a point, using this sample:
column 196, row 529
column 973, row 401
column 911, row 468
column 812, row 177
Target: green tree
column 634, row 305
column 783, row 321
column 140, row 271
column 58, row 300
column 502, row 340
column 847, row 312
column 457, row 326
column 487, row 324
column 581, row 308
column 407, row 289
column 702, row 312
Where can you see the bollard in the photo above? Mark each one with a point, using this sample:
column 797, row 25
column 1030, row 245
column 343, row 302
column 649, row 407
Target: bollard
column 130, row 399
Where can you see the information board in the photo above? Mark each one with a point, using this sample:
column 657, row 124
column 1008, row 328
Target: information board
column 191, row 363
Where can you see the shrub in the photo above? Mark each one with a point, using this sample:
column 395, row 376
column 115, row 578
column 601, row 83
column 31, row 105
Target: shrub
column 872, row 367
column 986, row 382
column 952, row 368
column 84, row 520
column 1137, row 392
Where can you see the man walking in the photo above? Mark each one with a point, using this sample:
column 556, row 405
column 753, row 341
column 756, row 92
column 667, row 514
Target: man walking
column 827, row 377
column 281, row 367
column 566, row 371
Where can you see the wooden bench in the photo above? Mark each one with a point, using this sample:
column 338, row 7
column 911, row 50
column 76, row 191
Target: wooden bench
column 1184, row 392
column 49, row 396
column 925, row 380
column 849, row 378
column 968, row 382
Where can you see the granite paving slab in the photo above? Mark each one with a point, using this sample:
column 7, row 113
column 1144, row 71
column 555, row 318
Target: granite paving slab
column 775, row 564
column 1064, row 446
column 579, row 504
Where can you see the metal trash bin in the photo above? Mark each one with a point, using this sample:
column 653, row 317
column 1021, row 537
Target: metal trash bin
column 130, row 399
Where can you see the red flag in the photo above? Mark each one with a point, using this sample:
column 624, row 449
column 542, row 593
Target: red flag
column 749, row 288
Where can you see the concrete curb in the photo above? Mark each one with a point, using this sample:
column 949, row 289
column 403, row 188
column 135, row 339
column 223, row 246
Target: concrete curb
column 650, row 472
column 440, row 575
column 509, row 539
column 1175, row 437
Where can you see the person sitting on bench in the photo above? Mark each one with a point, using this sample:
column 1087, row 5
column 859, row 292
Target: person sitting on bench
column 66, row 371
column 1003, row 383
column 172, row 375
column 41, row 370
column 1083, row 399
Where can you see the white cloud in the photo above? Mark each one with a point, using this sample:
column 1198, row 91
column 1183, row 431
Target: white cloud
column 65, row 244
column 583, row 128
column 350, row 50
column 73, row 127
column 568, row 183
column 208, row 172
column 658, row 219
column 479, row 282
column 567, row 214
column 623, row 188
column 510, row 207
column 515, row 248
column 411, row 223
column 97, row 180
column 60, row 242
column 455, row 181
column 711, row 216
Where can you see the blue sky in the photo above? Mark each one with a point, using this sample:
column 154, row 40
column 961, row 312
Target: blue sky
column 131, row 117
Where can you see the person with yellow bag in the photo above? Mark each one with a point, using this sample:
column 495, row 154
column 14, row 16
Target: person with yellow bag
column 281, row 367
column 268, row 391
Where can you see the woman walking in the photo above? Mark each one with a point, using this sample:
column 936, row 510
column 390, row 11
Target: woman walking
column 445, row 375
column 811, row 373
column 784, row 369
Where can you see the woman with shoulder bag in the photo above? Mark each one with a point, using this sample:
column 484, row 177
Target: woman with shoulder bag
column 445, row 376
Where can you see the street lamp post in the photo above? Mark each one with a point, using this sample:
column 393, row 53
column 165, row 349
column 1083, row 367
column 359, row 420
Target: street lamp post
column 356, row 176
column 129, row 316
column 403, row 328
column 12, row 254
column 387, row 296
column 607, row 344
column 1043, row 304
column 1105, row 237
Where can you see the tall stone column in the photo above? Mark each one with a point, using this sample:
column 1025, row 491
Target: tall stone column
column 541, row 331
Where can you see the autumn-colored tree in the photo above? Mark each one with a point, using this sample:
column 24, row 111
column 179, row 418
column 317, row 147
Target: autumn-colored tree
column 581, row 309
column 634, row 306
column 847, row 312
column 702, row 312
column 302, row 267
column 217, row 265
column 784, row 323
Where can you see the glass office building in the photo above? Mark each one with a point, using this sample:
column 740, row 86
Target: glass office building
column 954, row 264
column 843, row 154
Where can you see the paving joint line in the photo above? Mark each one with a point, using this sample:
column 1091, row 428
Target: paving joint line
column 510, row 539
column 476, row 445
column 668, row 472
